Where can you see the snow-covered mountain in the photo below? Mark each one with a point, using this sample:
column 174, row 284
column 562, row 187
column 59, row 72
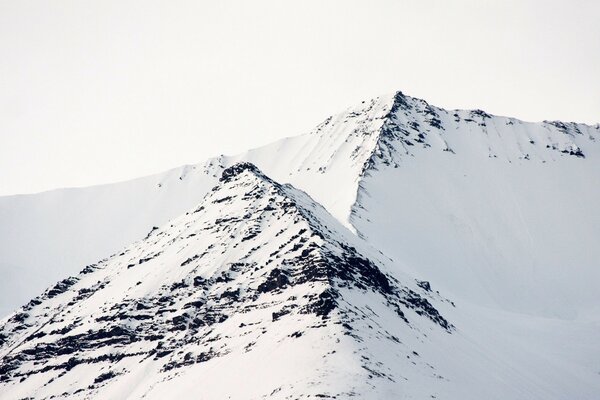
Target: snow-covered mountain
column 498, row 214
column 257, row 277
column 503, row 193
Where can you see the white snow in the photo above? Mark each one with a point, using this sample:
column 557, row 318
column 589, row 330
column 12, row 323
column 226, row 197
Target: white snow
column 500, row 215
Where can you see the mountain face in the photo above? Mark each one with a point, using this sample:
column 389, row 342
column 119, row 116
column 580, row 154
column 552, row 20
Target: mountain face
column 504, row 194
column 498, row 211
column 496, row 214
column 257, row 268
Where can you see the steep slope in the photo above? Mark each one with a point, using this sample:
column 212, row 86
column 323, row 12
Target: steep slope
column 495, row 210
column 333, row 155
column 257, row 286
column 498, row 214
column 512, row 204
column 46, row 236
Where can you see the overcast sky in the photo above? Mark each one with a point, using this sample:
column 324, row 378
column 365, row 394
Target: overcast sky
column 100, row 91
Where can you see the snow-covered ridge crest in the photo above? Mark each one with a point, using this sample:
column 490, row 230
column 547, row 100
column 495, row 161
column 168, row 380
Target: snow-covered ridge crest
column 500, row 195
column 498, row 214
column 331, row 164
column 413, row 124
column 407, row 127
column 255, row 265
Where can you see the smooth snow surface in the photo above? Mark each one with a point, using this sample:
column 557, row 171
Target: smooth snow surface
column 499, row 215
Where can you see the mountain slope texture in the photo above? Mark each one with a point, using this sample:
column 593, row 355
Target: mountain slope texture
column 399, row 250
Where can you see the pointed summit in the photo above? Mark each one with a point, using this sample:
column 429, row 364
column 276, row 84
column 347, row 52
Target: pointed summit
column 239, row 168
column 283, row 293
column 256, row 266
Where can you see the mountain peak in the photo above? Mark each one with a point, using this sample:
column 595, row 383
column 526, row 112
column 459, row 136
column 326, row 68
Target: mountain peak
column 239, row 168
column 308, row 293
column 256, row 266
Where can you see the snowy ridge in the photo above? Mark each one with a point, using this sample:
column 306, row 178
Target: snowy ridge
column 255, row 265
column 88, row 223
column 47, row 236
column 414, row 124
column 341, row 152
column 503, row 196
column 265, row 281
column 335, row 152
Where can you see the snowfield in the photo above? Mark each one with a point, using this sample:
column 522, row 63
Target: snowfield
column 399, row 250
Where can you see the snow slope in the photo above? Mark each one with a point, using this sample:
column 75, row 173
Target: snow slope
column 495, row 210
column 500, row 215
column 46, row 236
column 512, row 204
column 258, row 282
column 259, row 292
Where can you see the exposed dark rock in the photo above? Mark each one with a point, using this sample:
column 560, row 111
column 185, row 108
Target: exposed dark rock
column 154, row 228
column 425, row 285
column 324, row 304
column 277, row 280
column 199, row 281
column 423, row 307
column 189, row 260
column 227, row 198
column 105, row 376
column 61, row 287
column 231, row 294
column 234, row 170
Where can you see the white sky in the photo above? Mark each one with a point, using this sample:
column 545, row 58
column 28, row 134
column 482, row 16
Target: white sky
column 99, row 91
